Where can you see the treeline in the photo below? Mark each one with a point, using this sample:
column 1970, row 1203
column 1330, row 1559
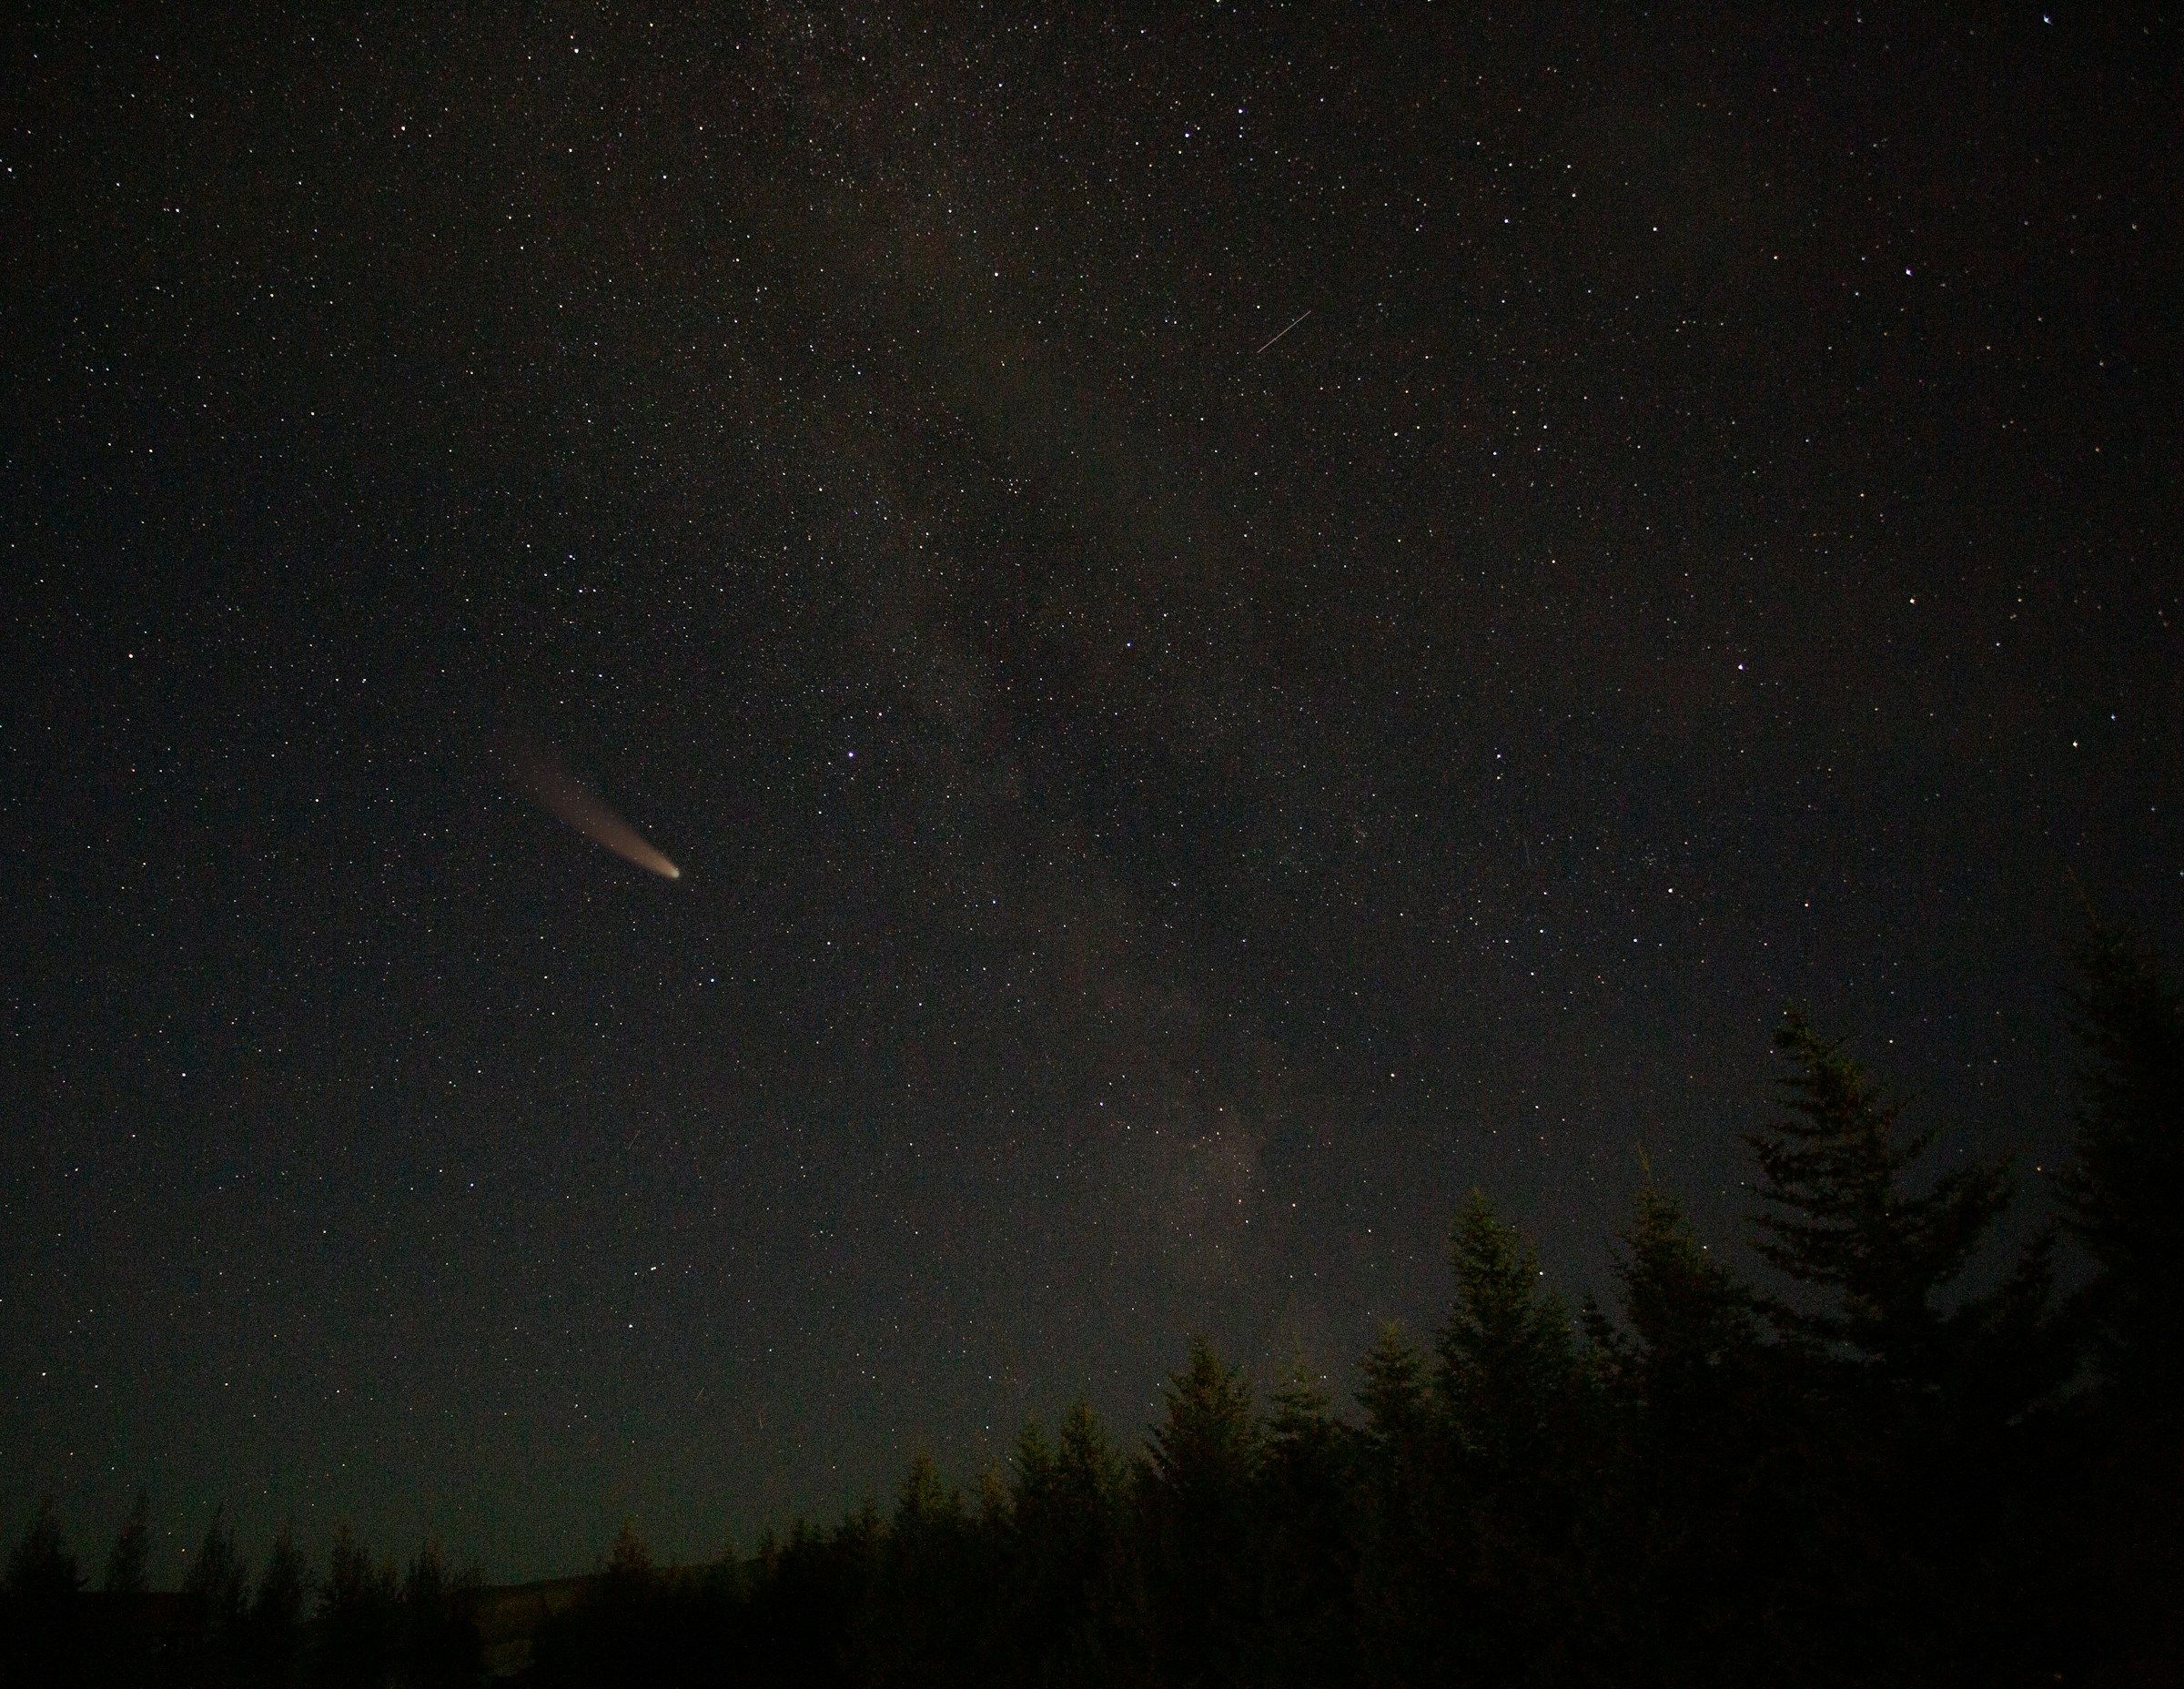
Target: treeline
column 1901, row 1461
column 356, row 1622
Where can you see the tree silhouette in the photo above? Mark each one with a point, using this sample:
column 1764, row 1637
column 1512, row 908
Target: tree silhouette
column 358, row 1620
column 1073, row 1601
column 1843, row 1221
column 1869, row 1474
column 2124, row 1188
column 1197, row 1480
column 1400, row 1476
column 1310, row 1549
column 1513, row 1397
column 271, row 1634
column 439, row 1646
column 1886, row 1469
column 930, row 1624
column 122, row 1649
column 2124, row 1193
column 214, row 1603
column 126, row 1561
column 40, row 1615
column 1508, row 1363
column 1689, row 1376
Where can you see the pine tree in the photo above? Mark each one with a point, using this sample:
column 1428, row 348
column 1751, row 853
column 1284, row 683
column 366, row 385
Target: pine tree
column 2124, row 1189
column 41, row 1617
column 214, row 1603
column 131, row 1551
column 1310, row 1522
column 440, row 1647
column 1688, row 1368
column 1842, row 1219
column 1692, row 1323
column 1513, row 1398
column 1508, row 1362
column 1394, row 1395
column 1199, row 1474
column 1074, row 1612
column 1403, row 1499
column 2120, row 1559
column 42, row 1569
column 272, row 1629
column 124, row 1646
column 629, row 1574
column 926, row 1620
column 357, row 1625
column 1890, row 1444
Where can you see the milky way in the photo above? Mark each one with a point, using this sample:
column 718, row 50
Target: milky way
column 1244, row 620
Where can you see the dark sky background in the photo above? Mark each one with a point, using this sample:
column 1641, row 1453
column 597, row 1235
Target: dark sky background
column 1161, row 814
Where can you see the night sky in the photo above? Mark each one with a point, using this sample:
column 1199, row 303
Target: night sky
column 1238, row 622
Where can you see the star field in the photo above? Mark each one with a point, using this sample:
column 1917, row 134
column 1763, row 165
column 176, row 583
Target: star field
column 1162, row 812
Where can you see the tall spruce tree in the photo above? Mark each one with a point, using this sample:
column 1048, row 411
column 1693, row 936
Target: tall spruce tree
column 357, row 1625
column 1075, row 1608
column 1391, row 1390
column 124, row 1649
column 2120, row 1558
column 1513, row 1395
column 41, row 1606
column 1310, row 1530
column 926, row 1621
column 2124, row 1189
column 1403, row 1502
column 1687, row 1366
column 1508, row 1362
column 126, row 1561
column 272, row 1630
column 1874, row 1255
column 1692, row 1321
column 215, row 1600
column 438, row 1645
column 1199, row 1476
column 1893, row 1446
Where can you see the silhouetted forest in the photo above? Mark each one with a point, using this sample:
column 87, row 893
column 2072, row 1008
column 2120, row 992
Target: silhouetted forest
column 1900, row 1460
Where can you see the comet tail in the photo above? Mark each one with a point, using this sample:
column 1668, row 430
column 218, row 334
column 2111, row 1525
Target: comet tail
column 566, row 798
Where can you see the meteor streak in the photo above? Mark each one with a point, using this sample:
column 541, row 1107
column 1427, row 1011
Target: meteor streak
column 1282, row 330
column 566, row 798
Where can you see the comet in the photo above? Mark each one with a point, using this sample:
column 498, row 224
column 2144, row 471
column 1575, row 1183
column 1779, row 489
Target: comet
column 541, row 778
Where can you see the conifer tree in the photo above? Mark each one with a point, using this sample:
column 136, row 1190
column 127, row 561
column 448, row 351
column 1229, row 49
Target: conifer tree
column 2124, row 1189
column 1508, row 1362
column 1393, row 1394
column 1688, row 1366
column 126, row 1564
column 1305, row 1458
column 1404, row 1499
column 271, row 1631
column 1310, row 1527
column 1512, row 1393
column 2120, row 1559
column 356, row 1620
column 1842, row 1218
column 42, row 1568
column 923, row 1625
column 123, row 1648
column 214, row 1601
column 439, row 1645
column 1692, row 1322
column 1890, row 1443
column 41, row 1620
column 1075, row 1615
column 1199, row 1474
